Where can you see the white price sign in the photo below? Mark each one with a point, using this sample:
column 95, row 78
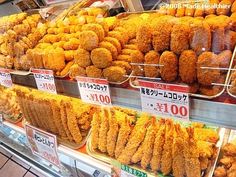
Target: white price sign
column 44, row 80
column 167, row 100
column 5, row 77
column 93, row 90
column 43, row 144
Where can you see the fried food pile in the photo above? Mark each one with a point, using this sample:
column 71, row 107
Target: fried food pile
column 66, row 117
column 23, row 33
column 9, row 106
column 233, row 82
column 156, row 145
column 227, row 164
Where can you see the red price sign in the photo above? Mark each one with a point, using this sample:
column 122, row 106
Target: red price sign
column 95, row 91
column 167, row 100
column 5, row 77
column 44, row 80
column 43, row 144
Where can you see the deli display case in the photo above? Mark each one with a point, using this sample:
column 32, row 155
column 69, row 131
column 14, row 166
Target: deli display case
column 72, row 91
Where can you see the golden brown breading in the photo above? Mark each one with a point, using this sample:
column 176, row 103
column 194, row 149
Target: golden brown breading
column 230, row 40
column 123, row 32
column 109, row 46
column 224, row 10
column 133, row 41
column 137, row 57
column 137, row 157
column 118, row 36
column 115, row 42
column 94, row 72
column 180, row 12
column 168, row 66
column 76, row 70
column 126, row 58
column 98, row 29
column 224, row 58
column 152, row 57
column 72, row 44
column 66, row 70
column 101, row 57
column 200, row 37
column 171, row 11
column 189, row 11
column 187, row 66
column 124, row 65
column 131, row 46
column 69, row 55
column 82, row 58
column 208, row 135
column 199, row 11
column 144, row 37
column 207, row 76
column 114, row 73
column 180, row 32
column 218, row 40
column 209, row 9
column 88, row 40
column 220, row 172
column 104, row 126
column 127, row 51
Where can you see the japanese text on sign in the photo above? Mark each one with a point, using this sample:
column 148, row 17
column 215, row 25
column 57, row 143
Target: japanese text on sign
column 45, row 80
column 167, row 100
column 43, row 144
column 95, row 91
column 5, row 77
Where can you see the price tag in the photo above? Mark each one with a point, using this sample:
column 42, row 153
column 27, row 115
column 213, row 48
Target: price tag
column 43, row 144
column 93, row 90
column 167, row 100
column 45, row 80
column 120, row 170
column 5, row 77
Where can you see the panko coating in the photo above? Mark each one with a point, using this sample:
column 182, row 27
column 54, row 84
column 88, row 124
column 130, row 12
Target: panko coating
column 126, row 58
column 233, row 21
column 124, row 65
column 114, row 74
column 194, row 87
column 131, row 46
column 72, row 44
column 118, row 36
column 101, row 57
column 115, row 42
column 207, row 76
column 233, row 87
column 187, row 66
column 224, row 58
column 112, row 22
column 109, row 46
column 224, row 10
column 94, row 72
column 152, row 57
column 137, row 57
column 168, row 66
column 98, row 29
column 171, row 11
column 180, row 38
column 213, row 90
column 233, row 7
column 180, row 12
column 209, row 9
column 199, row 11
column 88, row 40
column 82, row 58
column 200, row 37
column 230, row 40
column 69, row 55
column 76, row 70
column 132, row 41
column 127, row 51
column 218, row 40
column 189, row 11
column 144, row 37
column 123, row 32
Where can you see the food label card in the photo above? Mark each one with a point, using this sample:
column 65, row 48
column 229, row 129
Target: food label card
column 94, row 91
column 43, row 144
column 5, row 77
column 45, row 80
column 167, row 100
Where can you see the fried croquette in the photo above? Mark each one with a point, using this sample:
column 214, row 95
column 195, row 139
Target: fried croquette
column 115, row 42
column 187, row 66
column 199, row 11
column 179, row 38
column 168, row 66
column 69, row 55
column 123, row 32
column 76, row 70
column 209, row 75
column 88, row 40
column 131, row 46
column 124, row 65
column 171, row 11
column 233, row 7
column 200, row 37
column 209, row 8
column 224, row 58
column 114, row 74
column 137, row 58
column 126, row 58
column 98, row 29
column 118, row 36
column 224, row 7
column 230, row 40
column 189, row 11
column 127, row 51
column 109, row 46
column 93, row 71
column 82, row 58
column 151, row 57
column 180, row 12
column 101, row 57
column 144, row 37
column 218, row 40
column 133, row 41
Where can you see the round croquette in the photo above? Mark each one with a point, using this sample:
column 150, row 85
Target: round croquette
column 114, row 74
column 76, row 70
column 126, row 58
column 82, row 58
column 124, row 65
column 98, row 29
column 109, row 46
column 115, row 42
column 118, row 36
column 151, row 57
column 88, row 40
column 101, row 57
column 131, row 46
column 93, row 71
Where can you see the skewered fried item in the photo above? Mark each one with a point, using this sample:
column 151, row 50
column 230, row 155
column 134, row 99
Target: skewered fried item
column 158, row 147
column 102, row 141
column 166, row 158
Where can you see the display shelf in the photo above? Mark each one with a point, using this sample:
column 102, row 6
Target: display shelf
column 209, row 111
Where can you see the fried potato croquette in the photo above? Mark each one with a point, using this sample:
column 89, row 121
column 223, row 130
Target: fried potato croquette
column 137, row 58
column 101, row 57
column 114, row 74
column 168, row 66
column 180, row 12
column 69, row 55
column 131, row 46
column 118, row 36
column 98, row 29
column 115, row 42
column 207, row 76
column 88, row 40
column 126, row 58
column 152, row 57
column 109, row 46
column 224, row 58
column 230, row 40
column 76, row 70
column 82, row 58
column 218, row 37
column 124, row 65
column 187, row 66
column 93, row 71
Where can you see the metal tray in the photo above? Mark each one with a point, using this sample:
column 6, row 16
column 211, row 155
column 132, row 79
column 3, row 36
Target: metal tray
column 206, row 173
column 228, row 85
